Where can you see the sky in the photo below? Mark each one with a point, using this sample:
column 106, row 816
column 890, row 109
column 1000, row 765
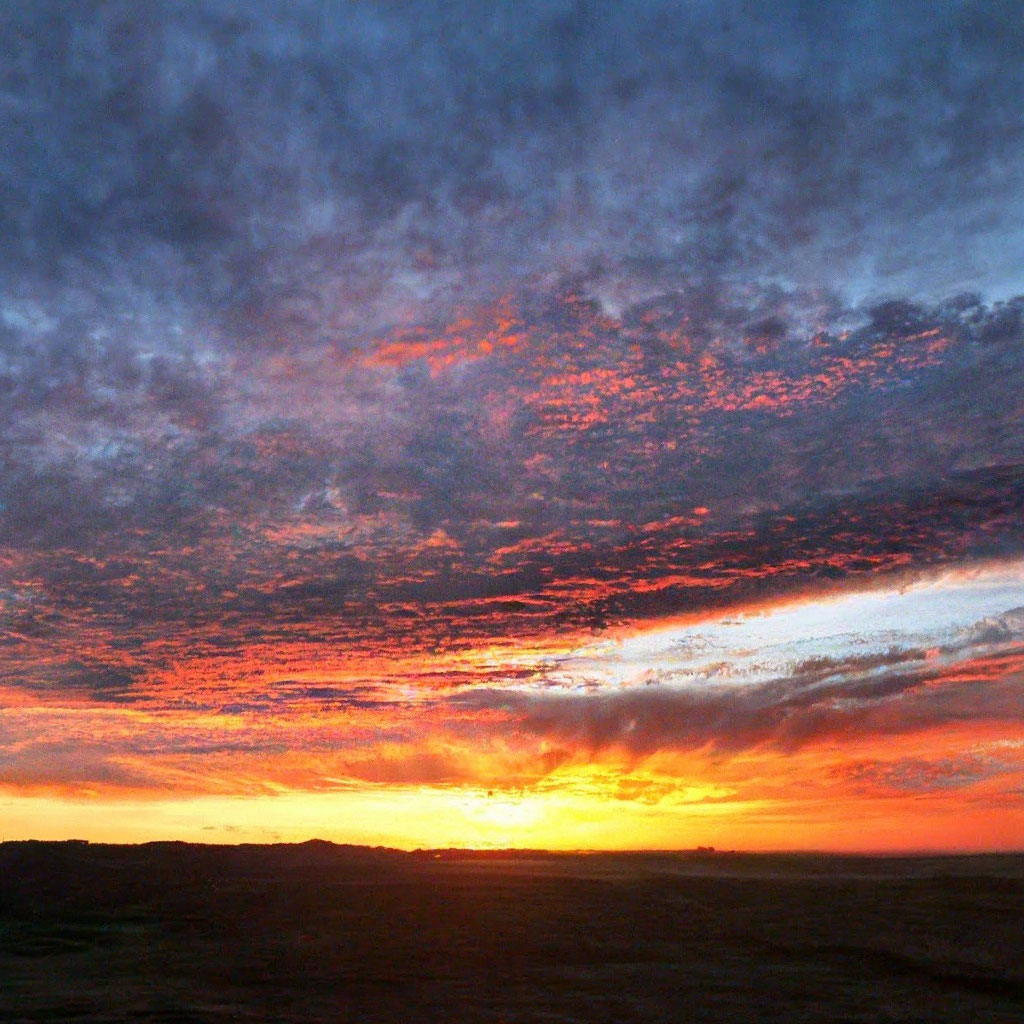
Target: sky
column 552, row 424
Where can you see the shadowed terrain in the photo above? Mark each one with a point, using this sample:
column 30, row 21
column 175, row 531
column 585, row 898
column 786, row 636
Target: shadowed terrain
column 175, row 933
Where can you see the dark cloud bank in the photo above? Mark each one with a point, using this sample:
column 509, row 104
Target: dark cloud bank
column 336, row 163
column 735, row 284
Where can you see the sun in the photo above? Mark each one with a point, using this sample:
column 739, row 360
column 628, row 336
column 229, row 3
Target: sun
column 511, row 813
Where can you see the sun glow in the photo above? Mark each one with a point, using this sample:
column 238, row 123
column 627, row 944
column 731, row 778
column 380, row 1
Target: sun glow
column 765, row 728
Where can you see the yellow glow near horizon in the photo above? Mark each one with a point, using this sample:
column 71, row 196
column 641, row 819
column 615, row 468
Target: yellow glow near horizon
column 840, row 789
column 420, row 817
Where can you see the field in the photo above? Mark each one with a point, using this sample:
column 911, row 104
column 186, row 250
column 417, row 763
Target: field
column 171, row 933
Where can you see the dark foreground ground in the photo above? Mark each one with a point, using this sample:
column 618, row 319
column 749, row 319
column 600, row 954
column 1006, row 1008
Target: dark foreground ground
column 172, row 933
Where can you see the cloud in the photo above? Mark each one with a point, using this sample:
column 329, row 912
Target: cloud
column 921, row 775
column 757, row 691
column 590, row 471
column 338, row 347
column 784, row 716
column 290, row 164
column 996, row 629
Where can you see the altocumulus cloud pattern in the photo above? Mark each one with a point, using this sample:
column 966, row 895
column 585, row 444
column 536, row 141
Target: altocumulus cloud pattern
column 372, row 375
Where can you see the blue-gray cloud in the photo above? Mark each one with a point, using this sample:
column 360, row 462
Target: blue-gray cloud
column 318, row 165
column 231, row 233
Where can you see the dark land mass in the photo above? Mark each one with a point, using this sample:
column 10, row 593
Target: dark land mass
column 171, row 933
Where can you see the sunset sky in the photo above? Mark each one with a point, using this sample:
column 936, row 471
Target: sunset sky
column 552, row 424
